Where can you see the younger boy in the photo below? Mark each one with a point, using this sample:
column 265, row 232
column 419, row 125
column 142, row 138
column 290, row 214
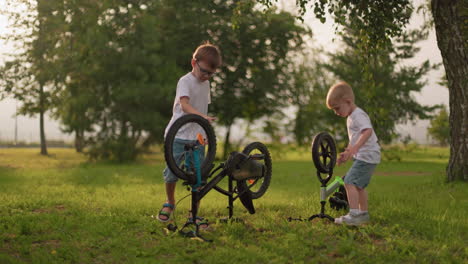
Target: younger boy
column 192, row 97
column 363, row 147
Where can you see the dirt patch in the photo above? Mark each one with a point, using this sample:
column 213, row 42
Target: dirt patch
column 49, row 210
column 10, row 235
column 7, row 166
column 60, row 207
column 334, row 255
column 46, row 243
column 378, row 242
column 404, row 173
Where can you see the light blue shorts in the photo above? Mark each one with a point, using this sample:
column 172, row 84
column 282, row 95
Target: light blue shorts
column 360, row 173
column 178, row 151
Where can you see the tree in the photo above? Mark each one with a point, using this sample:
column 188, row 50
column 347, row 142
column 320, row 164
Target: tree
column 29, row 76
column 439, row 127
column 394, row 85
column 389, row 100
column 452, row 39
column 124, row 91
column 253, row 82
column 308, row 91
column 119, row 63
column 383, row 20
column 74, row 42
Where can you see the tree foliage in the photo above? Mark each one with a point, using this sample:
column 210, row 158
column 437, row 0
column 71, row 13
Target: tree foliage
column 116, row 65
column 391, row 100
column 120, row 70
column 375, row 42
column 376, row 21
column 439, row 128
column 380, row 21
column 30, row 74
column 255, row 79
column 311, row 81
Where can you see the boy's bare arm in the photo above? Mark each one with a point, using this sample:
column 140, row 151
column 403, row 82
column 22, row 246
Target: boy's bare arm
column 351, row 150
column 365, row 135
column 189, row 109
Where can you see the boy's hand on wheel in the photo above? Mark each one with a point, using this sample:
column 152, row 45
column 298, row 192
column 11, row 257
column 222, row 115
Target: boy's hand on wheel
column 210, row 118
column 344, row 157
column 340, row 161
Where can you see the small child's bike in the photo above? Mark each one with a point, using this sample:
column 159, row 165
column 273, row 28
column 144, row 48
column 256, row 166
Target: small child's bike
column 250, row 169
column 324, row 158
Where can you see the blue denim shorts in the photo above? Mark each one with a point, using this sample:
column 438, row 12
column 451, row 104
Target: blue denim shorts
column 178, row 151
column 360, row 173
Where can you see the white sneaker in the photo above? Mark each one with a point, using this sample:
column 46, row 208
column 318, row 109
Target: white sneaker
column 365, row 217
column 339, row 220
column 353, row 219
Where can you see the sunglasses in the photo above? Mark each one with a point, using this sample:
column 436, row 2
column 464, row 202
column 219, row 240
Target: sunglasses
column 205, row 71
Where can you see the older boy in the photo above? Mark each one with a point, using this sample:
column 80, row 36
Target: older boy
column 363, row 147
column 192, row 97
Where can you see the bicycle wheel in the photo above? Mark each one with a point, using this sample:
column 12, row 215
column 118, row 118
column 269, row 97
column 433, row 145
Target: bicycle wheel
column 324, row 152
column 179, row 153
column 258, row 187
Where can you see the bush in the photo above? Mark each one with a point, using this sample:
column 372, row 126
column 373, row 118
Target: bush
column 114, row 150
column 391, row 153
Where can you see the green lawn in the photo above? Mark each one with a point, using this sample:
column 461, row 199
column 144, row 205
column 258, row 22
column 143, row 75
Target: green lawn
column 61, row 209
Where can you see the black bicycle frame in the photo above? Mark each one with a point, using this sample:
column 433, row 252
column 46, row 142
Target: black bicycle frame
column 199, row 192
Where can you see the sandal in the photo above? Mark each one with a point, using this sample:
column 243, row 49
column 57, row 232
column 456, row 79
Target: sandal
column 200, row 221
column 165, row 214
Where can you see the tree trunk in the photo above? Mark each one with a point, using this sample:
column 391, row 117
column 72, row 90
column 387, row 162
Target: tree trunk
column 41, row 120
column 451, row 31
column 150, row 139
column 227, row 146
column 79, row 141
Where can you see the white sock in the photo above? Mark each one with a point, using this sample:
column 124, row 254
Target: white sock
column 363, row 212
column 354, row 211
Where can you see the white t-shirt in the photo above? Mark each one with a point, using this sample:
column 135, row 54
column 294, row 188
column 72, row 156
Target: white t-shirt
column 199, row 95
column 357, row 121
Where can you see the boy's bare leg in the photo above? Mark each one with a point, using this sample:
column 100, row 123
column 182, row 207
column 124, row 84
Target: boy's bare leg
column 353, row 201
column 362, row 199
column 170, row 195
column 353, row 196
column 166, row 210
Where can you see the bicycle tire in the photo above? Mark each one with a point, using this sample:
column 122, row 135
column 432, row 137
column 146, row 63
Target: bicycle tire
column 266, row 179
column 206, row 166
column 323, row 147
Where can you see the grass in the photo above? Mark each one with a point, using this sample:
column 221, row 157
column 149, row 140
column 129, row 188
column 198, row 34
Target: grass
column 61, row 209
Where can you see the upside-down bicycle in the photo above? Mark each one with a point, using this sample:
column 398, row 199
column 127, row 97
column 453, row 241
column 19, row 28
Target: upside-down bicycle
column 250, row 169
column 324, row 158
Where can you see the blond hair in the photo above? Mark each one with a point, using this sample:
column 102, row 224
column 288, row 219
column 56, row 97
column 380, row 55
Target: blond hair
column 208, row 53
column 338, row 92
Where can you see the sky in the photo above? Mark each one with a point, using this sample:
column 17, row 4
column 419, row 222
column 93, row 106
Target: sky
column 432, row 93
